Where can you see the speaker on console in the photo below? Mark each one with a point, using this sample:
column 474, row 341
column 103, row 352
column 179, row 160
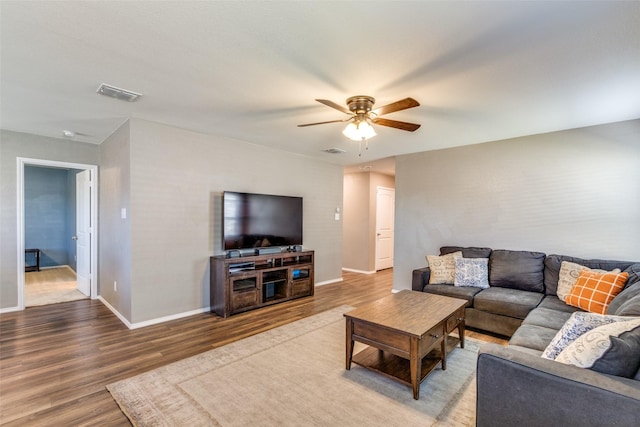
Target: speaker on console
column 273, row 250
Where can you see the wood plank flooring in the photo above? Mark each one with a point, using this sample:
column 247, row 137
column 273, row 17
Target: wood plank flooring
column 56, row 360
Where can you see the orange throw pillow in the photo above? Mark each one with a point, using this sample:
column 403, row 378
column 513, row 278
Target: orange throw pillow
column 594, row 291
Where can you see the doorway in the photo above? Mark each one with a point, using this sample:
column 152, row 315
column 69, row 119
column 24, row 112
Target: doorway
column 84, row 234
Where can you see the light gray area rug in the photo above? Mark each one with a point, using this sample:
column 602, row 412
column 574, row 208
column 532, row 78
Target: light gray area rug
column 294, row 375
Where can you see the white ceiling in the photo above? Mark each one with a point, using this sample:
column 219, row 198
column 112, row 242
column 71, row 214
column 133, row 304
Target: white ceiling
column 482, row 71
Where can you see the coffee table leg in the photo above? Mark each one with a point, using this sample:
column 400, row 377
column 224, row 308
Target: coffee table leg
column 461, row 332
column 443, row 349
column 416, row 366
column 349, row 344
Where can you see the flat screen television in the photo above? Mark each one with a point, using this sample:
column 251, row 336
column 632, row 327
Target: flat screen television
column 260, row 220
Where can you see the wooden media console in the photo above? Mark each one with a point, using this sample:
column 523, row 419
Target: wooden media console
column 244, row 283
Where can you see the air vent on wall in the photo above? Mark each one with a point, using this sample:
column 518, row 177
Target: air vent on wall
column 118, row 93
column 334, row 151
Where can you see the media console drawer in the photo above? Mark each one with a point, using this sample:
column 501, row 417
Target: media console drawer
column 300, row 287
column 244, row 299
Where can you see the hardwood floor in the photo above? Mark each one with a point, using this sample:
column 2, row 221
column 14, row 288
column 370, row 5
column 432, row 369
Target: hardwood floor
column 56, row 360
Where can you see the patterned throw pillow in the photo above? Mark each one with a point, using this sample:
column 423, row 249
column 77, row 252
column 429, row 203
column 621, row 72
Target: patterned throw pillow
column 443, row 268
column 569, row 272
column 579, row 323
column 594, row 291
column 611, row 349
column 472, row 272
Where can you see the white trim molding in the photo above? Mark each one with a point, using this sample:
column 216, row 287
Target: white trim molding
column 359, row 271
column 151, row 322
column 21, row 163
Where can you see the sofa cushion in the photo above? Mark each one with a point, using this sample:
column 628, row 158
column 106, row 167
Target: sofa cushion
column 443, row 268
column 623, row 299
column 594, row 291
column 611, row 349
column 553, row 263
column 472, row 272
column 470, row 252
column 547, row 318
column 533, row 336
column 569, row 272
column 579, row 323
column 528, row 350
column 517, row 270
column 507, row 302
column 453, row 291
column 552, row 302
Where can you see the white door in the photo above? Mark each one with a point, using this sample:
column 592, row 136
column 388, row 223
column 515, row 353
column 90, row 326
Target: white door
column 385, row 208
column 83, row 231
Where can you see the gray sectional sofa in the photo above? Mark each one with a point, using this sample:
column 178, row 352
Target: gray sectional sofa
column 515, row 385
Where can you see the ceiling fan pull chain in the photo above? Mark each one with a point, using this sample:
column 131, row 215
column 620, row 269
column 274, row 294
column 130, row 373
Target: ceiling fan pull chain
column 360, row 147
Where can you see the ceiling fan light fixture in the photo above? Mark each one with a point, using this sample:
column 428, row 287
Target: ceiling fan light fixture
column 358, row 131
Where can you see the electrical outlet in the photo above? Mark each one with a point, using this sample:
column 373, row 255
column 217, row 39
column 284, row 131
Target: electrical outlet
column 115, row 286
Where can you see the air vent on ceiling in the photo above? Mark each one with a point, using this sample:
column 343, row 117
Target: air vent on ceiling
column 118, row 93
column 334, row 151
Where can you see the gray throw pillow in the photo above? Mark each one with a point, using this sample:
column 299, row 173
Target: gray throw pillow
column 622, row 359
column 624, row 298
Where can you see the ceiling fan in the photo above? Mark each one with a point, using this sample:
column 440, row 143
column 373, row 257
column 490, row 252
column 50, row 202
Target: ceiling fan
column 362, row 116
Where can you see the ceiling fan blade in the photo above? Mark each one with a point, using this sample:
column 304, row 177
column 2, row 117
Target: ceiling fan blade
column 322, row 123
column 334, row 105
column 403, row 104
column 396, row 124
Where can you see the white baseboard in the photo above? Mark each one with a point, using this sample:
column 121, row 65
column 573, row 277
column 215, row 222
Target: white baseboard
column 56, row 266
column 9, row 309
column 114, row 311
column 171, row 317
column 358, row 271
column 152, row 321
column 326, row 282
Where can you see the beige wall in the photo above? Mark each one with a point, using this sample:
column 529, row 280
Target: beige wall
column 573, row 192
column 359, row 217
column 12, row 146
column 170, row 181
column 114, row 231
column 177, row 180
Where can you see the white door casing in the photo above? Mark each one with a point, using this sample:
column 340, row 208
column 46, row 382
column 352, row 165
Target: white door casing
column 385, row 217
column 93, row 211
column 83, row 231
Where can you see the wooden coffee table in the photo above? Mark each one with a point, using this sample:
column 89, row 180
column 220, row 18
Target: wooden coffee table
column 406, row 333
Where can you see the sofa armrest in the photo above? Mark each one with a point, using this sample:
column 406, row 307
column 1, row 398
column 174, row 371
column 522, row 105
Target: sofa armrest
column 420, row 278
column 517, row 388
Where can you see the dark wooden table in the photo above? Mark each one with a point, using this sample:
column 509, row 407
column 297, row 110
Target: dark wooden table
column 407, row 334
column 36, row 253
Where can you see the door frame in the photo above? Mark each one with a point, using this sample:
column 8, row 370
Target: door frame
column 22, row 162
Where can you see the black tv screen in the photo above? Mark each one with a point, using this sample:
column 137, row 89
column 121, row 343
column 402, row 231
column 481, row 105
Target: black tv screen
column 260, row 220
